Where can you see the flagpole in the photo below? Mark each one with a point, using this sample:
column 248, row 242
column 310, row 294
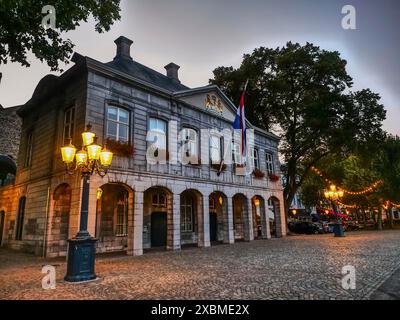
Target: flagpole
column 222, row 160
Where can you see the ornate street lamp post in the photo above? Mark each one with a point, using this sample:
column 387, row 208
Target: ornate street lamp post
column 91, row 159
column 334, row 194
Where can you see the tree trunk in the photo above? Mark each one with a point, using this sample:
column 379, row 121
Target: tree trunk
column 379, row 222
column 365, row 218
column 390, row 213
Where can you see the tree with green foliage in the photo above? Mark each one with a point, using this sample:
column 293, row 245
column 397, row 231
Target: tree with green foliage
column 21, row 29
column 303, row 92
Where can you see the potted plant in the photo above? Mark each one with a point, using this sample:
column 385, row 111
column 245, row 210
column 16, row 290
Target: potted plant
column 273, row 177
column 119, row 148
column 258, row 173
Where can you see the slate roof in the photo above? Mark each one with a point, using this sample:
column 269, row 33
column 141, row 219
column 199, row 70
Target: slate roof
column 144, row 73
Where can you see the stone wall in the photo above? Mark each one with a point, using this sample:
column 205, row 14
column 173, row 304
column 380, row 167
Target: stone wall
column 10, row 131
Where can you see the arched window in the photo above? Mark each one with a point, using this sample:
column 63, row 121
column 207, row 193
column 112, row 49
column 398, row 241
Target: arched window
column 20, row 218
column 187, row 211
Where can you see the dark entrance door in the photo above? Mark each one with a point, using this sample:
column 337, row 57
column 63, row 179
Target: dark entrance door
column 1, row 225
column 158, row 229
column 213, row 226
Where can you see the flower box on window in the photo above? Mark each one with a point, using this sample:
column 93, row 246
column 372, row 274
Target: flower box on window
column 122, row 149
column 257, row 173
column 217, row 166
column 273, row 177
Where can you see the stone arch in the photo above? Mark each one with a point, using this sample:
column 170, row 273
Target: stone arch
column 60, row 220
column 219, row 224
column 274, row 209
column 242, row 220
column 158, row 228
column 114, row 216
column 260, row 220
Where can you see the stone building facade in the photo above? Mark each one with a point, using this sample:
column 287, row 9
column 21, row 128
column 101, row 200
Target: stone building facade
column 138, row 205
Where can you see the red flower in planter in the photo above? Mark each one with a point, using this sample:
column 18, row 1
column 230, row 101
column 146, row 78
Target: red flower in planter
column 258, row 173
column 122, row 149
column 273, row 177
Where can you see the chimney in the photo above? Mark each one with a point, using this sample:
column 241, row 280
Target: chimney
column 172, row 71
column 123, row 48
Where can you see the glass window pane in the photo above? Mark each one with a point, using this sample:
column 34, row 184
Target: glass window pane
column 153, row 123
column 112, row 113
column 123, row 133
column 111, row 129
column 123, row 116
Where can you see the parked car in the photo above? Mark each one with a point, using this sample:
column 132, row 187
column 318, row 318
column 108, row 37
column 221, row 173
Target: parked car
column 304, row 227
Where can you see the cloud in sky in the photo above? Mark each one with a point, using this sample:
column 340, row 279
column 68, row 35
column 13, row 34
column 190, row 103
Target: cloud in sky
column 201, row 35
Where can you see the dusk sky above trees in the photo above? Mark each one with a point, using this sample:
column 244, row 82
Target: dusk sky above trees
column 202, row 35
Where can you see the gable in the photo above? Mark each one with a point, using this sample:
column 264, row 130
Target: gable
column 212, row 102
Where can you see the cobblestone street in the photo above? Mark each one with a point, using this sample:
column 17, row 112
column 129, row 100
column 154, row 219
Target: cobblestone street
column 296, row 267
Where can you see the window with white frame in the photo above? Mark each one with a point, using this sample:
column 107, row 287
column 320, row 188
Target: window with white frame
column 215, row 149
column 69, row 124
column 117, row 124
column 158, row 128
column 187, row 211
column 254, row 158
column 269, row 160
column 190, row 143
column 236, row 154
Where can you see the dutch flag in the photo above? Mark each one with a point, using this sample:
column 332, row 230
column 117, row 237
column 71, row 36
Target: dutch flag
column 240, row 124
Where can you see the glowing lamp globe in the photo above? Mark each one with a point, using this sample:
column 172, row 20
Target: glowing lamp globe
column 93, row 151
column 106, row 157
column 87, row 136
column 81, row 158
column 68, row 153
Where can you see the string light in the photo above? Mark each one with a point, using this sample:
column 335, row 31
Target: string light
column 350, row 206
column 368, row 189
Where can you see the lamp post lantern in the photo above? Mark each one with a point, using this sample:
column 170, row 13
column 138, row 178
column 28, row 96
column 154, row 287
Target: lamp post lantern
column 91, row 159
column 334, row 194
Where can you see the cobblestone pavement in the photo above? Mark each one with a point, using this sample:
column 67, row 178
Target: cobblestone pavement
column 295, row 267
